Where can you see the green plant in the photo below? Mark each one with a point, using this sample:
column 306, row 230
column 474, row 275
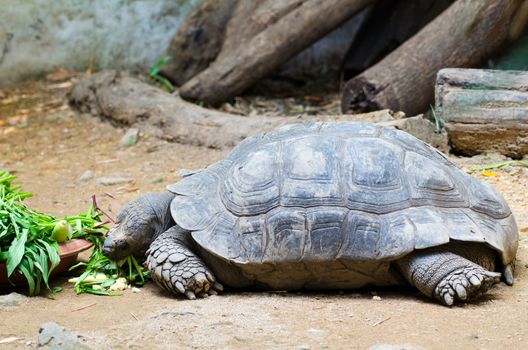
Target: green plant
column 439, row 123
column 101, row 273
column 518, row 163
column 154, row 74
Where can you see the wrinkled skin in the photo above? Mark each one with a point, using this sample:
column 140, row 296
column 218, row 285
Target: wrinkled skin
column 137, row 225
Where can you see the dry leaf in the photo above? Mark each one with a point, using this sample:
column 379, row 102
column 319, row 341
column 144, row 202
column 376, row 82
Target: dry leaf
column 489, row 173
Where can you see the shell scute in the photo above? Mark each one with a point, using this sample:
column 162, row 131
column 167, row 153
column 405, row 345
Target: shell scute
column 311, row 172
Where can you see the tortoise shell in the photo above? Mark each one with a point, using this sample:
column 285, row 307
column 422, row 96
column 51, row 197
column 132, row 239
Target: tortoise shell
column 345, row 190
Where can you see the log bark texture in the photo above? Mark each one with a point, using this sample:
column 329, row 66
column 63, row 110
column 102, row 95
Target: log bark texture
column 462, row 36
column 216, row 29
column 484, row 110
column 298, row 27
column 199, row 40
column 129, row 101
column 390, row 23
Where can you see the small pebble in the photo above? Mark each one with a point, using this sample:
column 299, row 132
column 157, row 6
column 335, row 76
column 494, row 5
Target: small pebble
column 130, row 138
column 395, row 347
column 87, row 176
column 303, row 347
column 110, row 181
column 376, row 297
column 135, row 290
column 317, row 333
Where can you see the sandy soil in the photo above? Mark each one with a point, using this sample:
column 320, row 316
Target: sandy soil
column 49, row 147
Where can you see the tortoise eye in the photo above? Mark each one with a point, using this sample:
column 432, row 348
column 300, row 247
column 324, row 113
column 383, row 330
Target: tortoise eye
column 122, row 245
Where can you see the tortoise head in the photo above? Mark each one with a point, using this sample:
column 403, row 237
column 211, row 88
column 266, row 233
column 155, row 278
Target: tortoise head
column 137, row 225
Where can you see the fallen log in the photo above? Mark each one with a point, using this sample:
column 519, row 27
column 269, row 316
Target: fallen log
column 216, row 29
column 239, row 69
column 484, row 110
column 462, row 36
column 129, row 101
column 198, row 40
column 390, row 23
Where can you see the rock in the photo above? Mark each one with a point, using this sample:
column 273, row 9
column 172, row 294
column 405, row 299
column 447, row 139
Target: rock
column 376, row 298
column 395, row 347
column 87, row 176
column 12, row 299
column 303, row 347
column 111, row 181
column 316, row 333
column 55, row 336
column 130, row 138
column 422, row 129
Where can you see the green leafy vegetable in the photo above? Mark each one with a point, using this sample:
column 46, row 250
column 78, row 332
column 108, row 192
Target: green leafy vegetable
column 101, row 273
column 26, row 242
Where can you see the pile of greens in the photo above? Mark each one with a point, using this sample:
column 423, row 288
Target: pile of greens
column 29, row 243
column 102, row 274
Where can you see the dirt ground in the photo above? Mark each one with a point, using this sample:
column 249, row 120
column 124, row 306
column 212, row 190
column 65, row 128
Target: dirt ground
column 50, row 147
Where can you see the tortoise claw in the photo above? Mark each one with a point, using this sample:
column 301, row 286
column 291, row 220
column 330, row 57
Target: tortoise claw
column 190, row 295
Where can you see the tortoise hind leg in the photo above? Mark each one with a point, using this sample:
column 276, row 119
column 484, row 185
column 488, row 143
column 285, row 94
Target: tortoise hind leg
column 176, row 268
column 447, row 276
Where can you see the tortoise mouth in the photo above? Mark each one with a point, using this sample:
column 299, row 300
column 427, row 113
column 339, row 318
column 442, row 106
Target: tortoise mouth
column 116, row 248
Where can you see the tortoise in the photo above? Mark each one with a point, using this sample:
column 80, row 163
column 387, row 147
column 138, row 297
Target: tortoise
column 324, row 205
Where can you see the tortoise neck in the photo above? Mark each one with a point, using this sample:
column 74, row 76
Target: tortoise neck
column 160, row 204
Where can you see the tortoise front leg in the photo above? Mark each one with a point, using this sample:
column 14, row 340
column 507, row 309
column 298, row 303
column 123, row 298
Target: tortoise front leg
column 446, row 276
column 176, row 268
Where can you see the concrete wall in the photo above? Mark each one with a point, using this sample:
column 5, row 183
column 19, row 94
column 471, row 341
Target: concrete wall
column 38, row 36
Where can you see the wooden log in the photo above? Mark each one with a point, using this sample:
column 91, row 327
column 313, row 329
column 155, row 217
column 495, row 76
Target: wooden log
column 216, row 29
column 484, row 110
column 198, row 40
column 390, row 23
column 252, row 17
column 241, row 68
column 129, row 101
column 462, row 36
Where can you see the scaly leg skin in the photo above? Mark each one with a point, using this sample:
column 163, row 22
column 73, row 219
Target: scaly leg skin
column 446, row 276
column 465, row 284
column 177, row 269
